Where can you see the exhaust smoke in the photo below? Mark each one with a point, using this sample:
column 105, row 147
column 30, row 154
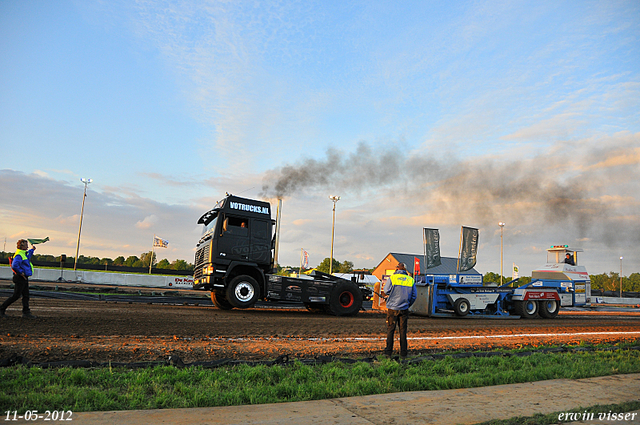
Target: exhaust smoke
column 593, row 191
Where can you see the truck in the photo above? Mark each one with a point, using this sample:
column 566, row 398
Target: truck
column 234, row 260
column 561, row 282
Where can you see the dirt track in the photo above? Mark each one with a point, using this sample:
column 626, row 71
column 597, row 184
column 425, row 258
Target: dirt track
column 101, row 331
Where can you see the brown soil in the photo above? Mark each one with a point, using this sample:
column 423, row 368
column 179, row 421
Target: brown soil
column 129, row 332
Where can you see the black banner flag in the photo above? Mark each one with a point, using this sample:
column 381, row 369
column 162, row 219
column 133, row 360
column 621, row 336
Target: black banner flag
column 468, row 249
column 431, row 248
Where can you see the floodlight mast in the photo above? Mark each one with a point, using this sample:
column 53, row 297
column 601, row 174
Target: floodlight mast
column 621, row 277
column 501, row 224
column 86, row 182
column 333, row 228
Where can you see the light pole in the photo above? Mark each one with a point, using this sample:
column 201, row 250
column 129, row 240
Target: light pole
column 86, row 182
column 621, row 277
column 333, row 229
column 501, row 224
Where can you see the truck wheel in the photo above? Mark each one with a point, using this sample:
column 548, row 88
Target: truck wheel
column 549, row 309
column 220, row 301
column 315, row 307
column 461, row 306
column 526, row 309
column 243, row 291
column 346, row 299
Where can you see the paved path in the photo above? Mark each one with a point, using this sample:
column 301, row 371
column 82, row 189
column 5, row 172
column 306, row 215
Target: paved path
column 464, row 406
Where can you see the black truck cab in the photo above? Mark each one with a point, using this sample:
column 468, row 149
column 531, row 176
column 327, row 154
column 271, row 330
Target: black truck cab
column 234, row 260
column 237, row 239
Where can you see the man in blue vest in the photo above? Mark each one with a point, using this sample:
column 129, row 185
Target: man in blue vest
column 22, row 269
column 401, row 293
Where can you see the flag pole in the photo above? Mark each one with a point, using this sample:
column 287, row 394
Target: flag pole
column 301, row 254
column 153, row 243
column 459, row 252
column 424, row 242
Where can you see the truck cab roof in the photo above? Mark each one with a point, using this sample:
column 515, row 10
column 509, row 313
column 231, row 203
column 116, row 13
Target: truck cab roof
column 238, row 206
column 558, row 253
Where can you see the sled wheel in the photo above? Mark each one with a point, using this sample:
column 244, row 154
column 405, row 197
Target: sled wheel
column 527, row 309
column 549, row 308
column 462, row 306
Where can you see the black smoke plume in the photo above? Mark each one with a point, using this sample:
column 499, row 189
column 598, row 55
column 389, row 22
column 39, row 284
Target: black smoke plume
column 564, row 186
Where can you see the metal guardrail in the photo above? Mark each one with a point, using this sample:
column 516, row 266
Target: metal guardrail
column 104, row 278
column 615, row 300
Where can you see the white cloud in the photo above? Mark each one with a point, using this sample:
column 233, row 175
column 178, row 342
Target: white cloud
column 148, row 222
column 111, row 224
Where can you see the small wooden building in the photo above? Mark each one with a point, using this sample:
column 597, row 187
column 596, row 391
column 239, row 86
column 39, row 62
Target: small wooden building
column 449, row 266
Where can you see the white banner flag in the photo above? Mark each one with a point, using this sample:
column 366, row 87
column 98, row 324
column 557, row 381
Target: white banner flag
column 162, row 243
column 515, row 274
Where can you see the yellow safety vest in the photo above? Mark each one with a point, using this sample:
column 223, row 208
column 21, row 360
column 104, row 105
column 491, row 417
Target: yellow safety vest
column 400, row 279
column 23, row 254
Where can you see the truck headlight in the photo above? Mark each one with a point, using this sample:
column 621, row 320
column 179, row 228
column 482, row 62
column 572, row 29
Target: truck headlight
column 209, row 269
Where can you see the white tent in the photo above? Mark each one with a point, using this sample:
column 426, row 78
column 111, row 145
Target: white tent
column 368, row 279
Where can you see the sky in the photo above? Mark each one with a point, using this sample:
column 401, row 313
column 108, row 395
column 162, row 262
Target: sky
column 417, row 114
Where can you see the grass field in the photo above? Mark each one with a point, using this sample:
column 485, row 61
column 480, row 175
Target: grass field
column 32, row 388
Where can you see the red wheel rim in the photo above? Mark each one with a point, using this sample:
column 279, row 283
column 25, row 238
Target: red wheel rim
column 346, row 299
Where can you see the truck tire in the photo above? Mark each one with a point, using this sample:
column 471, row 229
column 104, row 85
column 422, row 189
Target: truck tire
column 526, row 309
column 461, row 307
column 220, row 301
column 315, row 307
column 346, row 299
column 243, row 291
column 549, row 308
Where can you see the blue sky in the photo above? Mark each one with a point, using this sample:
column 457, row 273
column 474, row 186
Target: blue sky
column 419, row 114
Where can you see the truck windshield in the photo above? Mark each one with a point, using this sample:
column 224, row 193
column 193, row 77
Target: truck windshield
column 555, row 256
column 210, row 228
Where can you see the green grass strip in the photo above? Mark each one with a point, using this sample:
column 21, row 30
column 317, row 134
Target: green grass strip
column 596, row 414
column 32, row 388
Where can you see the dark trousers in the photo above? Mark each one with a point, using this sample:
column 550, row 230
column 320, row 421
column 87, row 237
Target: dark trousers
column 399, row 317
column 20, row 289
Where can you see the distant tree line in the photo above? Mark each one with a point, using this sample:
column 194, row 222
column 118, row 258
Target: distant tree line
column 338, row 267
column 604, row 281
column 131, row 261
column 491, row 277
column 611, row 282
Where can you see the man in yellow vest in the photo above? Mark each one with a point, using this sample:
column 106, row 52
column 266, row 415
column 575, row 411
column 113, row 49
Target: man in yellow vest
column 401, row 293
column 22, row 269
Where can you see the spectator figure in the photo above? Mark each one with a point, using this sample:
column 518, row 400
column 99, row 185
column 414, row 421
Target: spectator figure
column 22, row 269
column 568, row 259
column 401, row 293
